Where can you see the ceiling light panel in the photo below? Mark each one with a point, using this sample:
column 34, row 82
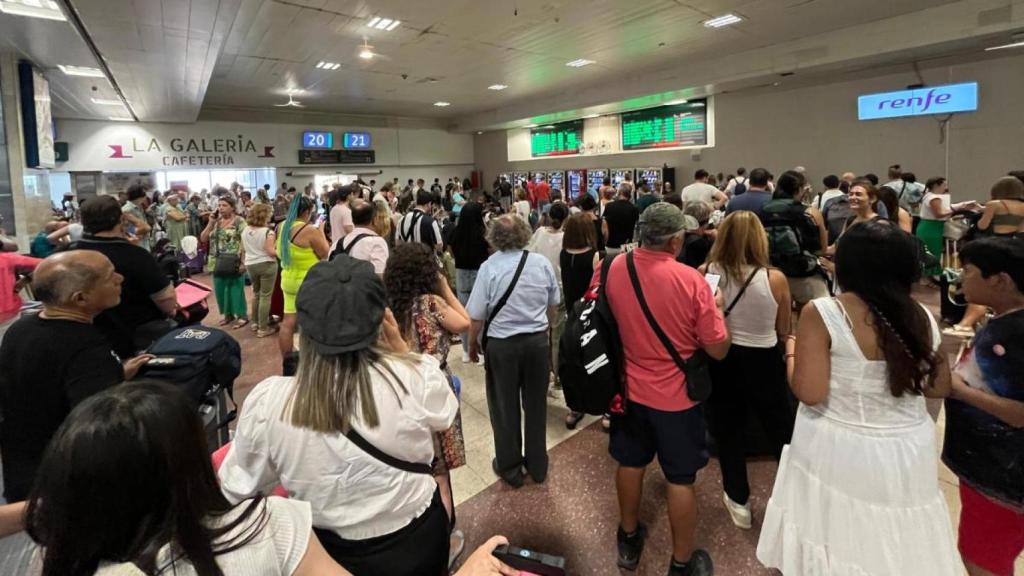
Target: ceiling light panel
column 120, row 119
column 442, row 104
column 580, row 63
column 723, row 20
column 386, row 24
column 81, row 71
column 45, row 9
column 107, row 101
column 1005, row 46
column 497, row 87
column 328, row 65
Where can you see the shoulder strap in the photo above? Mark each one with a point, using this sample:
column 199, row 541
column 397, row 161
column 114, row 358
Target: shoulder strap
column 739, row 294
column 295, row 234
column 409, row 234
column 366, row 446
column 903, row 189
column 650, row 317
column 508, row 291
column 354, row 241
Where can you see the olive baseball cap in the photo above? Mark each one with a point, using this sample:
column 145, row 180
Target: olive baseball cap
column 662, row 219
column 340, row 305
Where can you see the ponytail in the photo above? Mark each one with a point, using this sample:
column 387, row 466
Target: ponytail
column 299, row 205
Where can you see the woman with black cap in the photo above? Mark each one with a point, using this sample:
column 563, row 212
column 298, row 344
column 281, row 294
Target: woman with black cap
column 323, row 434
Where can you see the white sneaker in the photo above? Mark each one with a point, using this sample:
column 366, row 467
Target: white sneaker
column 740, row 513
column 465, row 357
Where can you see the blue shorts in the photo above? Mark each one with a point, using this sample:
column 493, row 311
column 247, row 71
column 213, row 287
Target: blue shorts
column 677, row 438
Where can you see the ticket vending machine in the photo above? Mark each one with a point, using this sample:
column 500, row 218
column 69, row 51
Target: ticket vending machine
column 576, row 184
column 595, row 179
column 619, row 175
column 557, row 181
column 650, row 175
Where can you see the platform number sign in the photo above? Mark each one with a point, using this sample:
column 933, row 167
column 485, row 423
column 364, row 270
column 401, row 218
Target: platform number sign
column 318, row 140
column 357, row 141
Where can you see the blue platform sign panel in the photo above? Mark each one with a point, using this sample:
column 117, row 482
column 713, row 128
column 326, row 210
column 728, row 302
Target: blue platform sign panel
column 357, row 141
column 318, row 140
column 929, row 100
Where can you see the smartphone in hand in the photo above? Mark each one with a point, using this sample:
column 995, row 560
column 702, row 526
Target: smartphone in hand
column 713, row 280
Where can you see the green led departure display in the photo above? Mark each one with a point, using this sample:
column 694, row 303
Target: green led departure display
column 556, row 140
column 666, row 126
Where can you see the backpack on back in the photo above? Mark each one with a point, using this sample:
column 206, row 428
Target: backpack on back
column 792, row 237
column 910, row 197
column 590, row 353
column 836, row 212
column 740, row 187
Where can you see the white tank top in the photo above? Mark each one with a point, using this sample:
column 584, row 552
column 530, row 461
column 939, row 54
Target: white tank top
column 752, row 320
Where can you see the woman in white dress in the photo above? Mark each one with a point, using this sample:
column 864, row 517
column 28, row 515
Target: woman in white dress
column 857, row 491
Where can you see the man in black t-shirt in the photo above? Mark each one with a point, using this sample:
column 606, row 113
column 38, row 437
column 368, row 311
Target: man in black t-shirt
column 620, row 217
column 55, row 359
column 147, row 296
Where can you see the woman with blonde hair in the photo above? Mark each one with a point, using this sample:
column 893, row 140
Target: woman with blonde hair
column 261, row 262
column 751, row 379
column 353, row 432
column 383, row 223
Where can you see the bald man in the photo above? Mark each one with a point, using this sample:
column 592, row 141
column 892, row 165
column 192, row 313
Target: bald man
column 55, row 359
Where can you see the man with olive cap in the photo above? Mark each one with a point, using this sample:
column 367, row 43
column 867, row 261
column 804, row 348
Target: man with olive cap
column 660, row 418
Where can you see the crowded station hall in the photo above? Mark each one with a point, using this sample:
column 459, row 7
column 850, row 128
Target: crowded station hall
column 497, row 288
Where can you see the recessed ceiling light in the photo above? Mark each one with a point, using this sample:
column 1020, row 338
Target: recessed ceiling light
column 107, row 101
column 45, row 9
column 328, row 65
column 497, row 87
column 723, row 20
column 442, row 104
column 1004, row 46
column 120, row 119
column 386, row 24
column 81, row 71
column 580, row 63
column 479, row 132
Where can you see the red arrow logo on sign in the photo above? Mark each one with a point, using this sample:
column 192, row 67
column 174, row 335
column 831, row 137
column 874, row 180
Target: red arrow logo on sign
column 118, row 151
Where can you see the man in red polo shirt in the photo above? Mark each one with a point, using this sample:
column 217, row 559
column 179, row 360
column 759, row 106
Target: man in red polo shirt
column 660, row 418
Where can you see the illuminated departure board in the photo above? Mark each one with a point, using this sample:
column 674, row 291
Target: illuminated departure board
column 666, row 126
column 560, row 139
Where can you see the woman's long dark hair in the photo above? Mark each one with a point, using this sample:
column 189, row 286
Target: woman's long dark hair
column 878, row 262
column 888, row 197
column 411, row 272
column 126, row 474
column 469, row 243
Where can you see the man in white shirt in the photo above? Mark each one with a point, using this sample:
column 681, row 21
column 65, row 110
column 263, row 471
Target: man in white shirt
column 739, row 180
column 832, row 190
column 701, row 191
column 362, row 243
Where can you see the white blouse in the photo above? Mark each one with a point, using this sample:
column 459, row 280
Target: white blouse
column 350, row 492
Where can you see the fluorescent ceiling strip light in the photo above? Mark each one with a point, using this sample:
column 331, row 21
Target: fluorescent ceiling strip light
column 373, row 21
column 81, row 71
column 393, row 25
column 383, row 24
column 1004, row 46
column 674, row 102
column 45, row 9
column 107, row 101
column 580, row 63
column 386, row 24
column 497, row 87
column 592, row 116
column 442, row 104
column 120, row 119
column 724, row 20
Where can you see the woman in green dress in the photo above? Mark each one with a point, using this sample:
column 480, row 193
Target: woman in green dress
column 225, row 237
column 175, row 221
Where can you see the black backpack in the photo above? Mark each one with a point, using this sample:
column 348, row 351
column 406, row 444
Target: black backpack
column 740, row 187
column 342, row 249
column 792, row 237
column 836, row 213
column 590, row 353
column 197, row 359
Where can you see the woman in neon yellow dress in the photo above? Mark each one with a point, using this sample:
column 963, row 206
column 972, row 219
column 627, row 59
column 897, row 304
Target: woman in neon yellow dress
column 300, row 245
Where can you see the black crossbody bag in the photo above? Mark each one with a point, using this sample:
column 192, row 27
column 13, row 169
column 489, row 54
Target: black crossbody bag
column 504, row 298
column 696, row 368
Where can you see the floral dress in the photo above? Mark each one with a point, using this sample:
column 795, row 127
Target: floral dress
column 432, row 338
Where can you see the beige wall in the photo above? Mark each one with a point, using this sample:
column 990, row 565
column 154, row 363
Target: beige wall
column 817, row 127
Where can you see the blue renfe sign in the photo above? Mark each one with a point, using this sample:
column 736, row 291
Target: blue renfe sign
column 922, row 101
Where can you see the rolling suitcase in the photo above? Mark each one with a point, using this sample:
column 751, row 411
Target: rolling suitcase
column 215, row 411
